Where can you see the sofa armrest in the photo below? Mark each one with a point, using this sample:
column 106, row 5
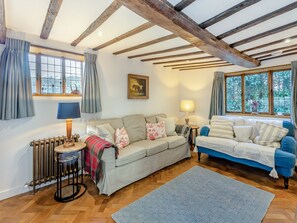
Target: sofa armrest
column 288, row 144
column 204, row 131
column 109, row 159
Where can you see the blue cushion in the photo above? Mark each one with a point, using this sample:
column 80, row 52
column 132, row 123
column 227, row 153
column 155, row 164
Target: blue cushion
column 204, row 131
column 288, row 144
column 290, row 126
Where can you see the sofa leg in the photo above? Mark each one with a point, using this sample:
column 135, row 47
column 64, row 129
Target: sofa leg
column 199, row 156
column 286, row 182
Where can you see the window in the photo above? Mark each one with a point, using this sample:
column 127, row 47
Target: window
column 55, row 75
column 266, row 92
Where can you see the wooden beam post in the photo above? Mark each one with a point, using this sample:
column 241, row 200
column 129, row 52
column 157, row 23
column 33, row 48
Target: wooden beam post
column 3, row 28
column 163, row 14
column 50, row 18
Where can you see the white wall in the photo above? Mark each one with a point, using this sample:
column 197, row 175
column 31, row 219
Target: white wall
column 15, row 135
column 197, row 85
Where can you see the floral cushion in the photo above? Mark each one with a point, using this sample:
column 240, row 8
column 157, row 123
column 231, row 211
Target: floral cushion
column 121, row 138
column 155, row 130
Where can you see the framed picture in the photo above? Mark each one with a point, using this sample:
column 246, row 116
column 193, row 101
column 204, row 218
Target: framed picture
column 138, row 86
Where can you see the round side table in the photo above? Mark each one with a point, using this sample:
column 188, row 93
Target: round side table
column 67, row 159
column 195, row 129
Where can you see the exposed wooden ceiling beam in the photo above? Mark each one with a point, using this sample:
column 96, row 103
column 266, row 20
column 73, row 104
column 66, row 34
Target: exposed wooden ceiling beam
column 204, row 67
column 264, row 34
column 269, row 44
column 283, row 52
column 132, row 32
column 227, row 13
column 283, row 55
column 273, row 50
column 195, row 63
column 158, row 40
column 114, row 6
column 163, row 51
column 3, row 28
column 163, row 14
column 173, row 56
column 210, row 64
column 184, row 60
column 183, row 4
column 259, row 20
column 50, row 18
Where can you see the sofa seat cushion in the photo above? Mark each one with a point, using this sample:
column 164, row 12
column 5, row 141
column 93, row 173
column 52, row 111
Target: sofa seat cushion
column 218, row 144
column 152, row 146
column 173, row 141
column 130, row 154
column 255, row 152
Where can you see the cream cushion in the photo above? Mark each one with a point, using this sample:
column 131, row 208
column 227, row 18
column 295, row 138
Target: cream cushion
column 221, row 128
column 152, row 147
column 135, row 126
column 173, row 141
column 130, row 154
column 105, row 132
column 243, row 133
column 169, row 125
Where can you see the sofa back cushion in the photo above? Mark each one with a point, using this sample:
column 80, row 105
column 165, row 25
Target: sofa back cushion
column 114, row 122
column 135, row 126
column 221, row 128
column 153, row 118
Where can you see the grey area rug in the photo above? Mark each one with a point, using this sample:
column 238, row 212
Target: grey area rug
column 199, row 195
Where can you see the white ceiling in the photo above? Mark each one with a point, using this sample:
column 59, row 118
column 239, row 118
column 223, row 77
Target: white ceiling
column 76, row 15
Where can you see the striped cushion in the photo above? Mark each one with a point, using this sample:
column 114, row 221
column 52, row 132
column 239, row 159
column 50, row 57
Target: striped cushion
column 270, row 135
column 221, row 128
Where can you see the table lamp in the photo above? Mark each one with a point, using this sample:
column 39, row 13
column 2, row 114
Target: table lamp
column 68, row 111
column 187, row 106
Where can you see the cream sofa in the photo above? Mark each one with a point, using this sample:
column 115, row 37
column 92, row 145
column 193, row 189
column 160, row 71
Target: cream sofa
column 141, row 157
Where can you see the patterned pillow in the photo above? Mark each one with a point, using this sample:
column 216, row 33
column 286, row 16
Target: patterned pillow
column 155, row 130
column 121, row 138
column 270, row 135
column 221, row 128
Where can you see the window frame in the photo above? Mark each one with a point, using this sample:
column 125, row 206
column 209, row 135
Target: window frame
column 242, row 74
column 63, row 72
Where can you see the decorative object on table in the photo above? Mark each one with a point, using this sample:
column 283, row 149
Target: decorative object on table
column 187, row 106
column 254, row 106
column 216, row 196
column 68, row 111
column 67, row 160
column 138, row 86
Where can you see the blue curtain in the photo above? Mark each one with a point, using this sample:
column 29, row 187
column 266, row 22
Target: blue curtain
column 91, row 102
column 217, row 105
column 294, row 94
column 16, row 100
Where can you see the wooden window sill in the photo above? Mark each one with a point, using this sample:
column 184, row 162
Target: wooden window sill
column 57, row 95
column 257, row 115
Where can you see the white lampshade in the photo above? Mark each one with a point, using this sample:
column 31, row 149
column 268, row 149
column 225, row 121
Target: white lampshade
column 187, row 106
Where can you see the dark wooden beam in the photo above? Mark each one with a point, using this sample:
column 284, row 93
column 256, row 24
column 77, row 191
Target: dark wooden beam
column 264, row 34
column 227, row 13
column 273, row 50
column 114, row 6
column 158, row 40
column 205, row 67
column 283, row 55
column 163, row 51
column 184, row 60
column 269, row 44
column 3, row 28
column 174, row 56
column 195, row 63
column 210, row 64
column 163, row 14
column 183, row 4
column 283, row 52
column 259, row 20
column 132, row 32
column 50, row 18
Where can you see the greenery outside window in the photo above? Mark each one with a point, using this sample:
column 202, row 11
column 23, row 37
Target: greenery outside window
column 51, row 75
column 266, row 92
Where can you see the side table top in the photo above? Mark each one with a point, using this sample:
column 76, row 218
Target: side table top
column 77, row 147
column 194, row 126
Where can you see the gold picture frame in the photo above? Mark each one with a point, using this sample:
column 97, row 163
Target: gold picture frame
column 138, row 86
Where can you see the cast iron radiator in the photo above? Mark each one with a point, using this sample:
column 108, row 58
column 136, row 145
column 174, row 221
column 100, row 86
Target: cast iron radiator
column 44, row 164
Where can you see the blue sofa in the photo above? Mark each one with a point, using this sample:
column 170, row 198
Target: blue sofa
column 285, row 157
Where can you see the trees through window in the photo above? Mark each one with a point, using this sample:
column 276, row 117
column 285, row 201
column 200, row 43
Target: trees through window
column 266, row 92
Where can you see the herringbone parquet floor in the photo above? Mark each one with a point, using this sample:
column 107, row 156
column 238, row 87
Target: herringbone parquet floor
column 92, row 207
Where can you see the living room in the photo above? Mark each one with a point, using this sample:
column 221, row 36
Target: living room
column 167, row 87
